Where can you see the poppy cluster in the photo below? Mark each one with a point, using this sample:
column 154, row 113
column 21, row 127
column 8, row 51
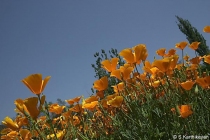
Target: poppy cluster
column 158, row 82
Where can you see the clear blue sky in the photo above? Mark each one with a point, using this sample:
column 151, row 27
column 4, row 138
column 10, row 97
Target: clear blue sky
column 59, row 38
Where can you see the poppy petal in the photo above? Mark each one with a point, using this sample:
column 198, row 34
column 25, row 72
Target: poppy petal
column 206, row 29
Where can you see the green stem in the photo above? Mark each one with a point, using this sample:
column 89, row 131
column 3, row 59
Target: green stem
column 48, row 117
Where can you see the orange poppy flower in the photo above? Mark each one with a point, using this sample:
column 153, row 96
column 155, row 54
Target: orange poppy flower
column 155, row 83
column 206, row 29
column 173, row 61
column 76, row 108
column 154, row 71
column 101, row 84
column 185, row 111
column 90, row 106
column 181, row 45
column 74, row 100
column 147, row 64
column 146, row 70
column 67, row 114
column 100, row 94
column 21, row 121
column 91, row 99
column 207, row 78
column 110, row 65
column 59, row 135
column 194, row 45
column 126, row 71
column 76, row 120
column 193, row 67
column 161, row 52
column 10, row 136
column 109, row 97
column 35, row 83
column 135, row 74
column 56, row 108
column 119, row 87
column 104, row 103
column 116, row 73
column 20, row 106
column 5, row 131
column 207, row 59
column 25, row 134
column 163, row 64
column 142, row 76
column 195, row 60
column 123, row 73
column 187, row 85
column 127, row 55
column 147, row 67
column 31, row 105
column 140, row 53
column 131, row 82
column 10, row 123
column 203, row 82
column 171, row 52
column 116, row 102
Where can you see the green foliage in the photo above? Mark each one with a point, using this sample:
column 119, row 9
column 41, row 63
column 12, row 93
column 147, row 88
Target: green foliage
column 60, row 102
column 154, row 119
column 193, row 35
